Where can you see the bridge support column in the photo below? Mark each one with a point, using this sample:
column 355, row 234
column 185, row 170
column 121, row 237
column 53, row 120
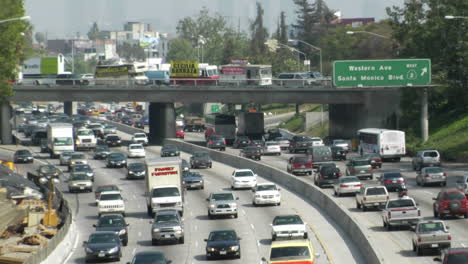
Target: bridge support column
column 6, row 135
column 161, row 122
column 424, row 116
column 69, row 108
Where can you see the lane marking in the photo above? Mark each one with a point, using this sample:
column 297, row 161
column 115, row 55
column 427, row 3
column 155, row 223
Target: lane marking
column 139, row 234
column 243, row 212
column 133, row 252
column 196, row 243
column 252, row 226
column 196, row 228
column 74, row 246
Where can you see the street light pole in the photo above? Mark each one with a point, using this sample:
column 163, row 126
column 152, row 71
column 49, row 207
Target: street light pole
column 313, row 47
column 298, row 54
column 367, row 32
column 455, row 17
column 15, row 19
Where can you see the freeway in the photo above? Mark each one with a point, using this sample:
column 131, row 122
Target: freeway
column 395, row 246
column 252, row 224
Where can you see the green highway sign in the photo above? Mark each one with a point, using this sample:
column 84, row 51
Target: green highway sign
column 214, row 108
column 362, row 73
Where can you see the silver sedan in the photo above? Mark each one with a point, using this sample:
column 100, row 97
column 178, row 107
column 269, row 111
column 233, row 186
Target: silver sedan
column 431, row 175
column 347, row 185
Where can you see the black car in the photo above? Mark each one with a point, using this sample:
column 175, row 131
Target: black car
column 327, row 176
column 101, row 152
column 251, row 153
column 84, row 168
column 115, row 223
column 200, row 159
column 393, row 180
column 149, row 257
column 113, row 140
column 23, row 156
column 223, row 243
column 43, row 145
column 241, row 142
column 338, row 153
column 193, row 180
column 136, row 170
column 116, row 160
column 257, row 143
column 299, row 143
column 170, row 151
column 139, row 124
column 48, row 171
column 127, row 121
column 374, row 159
column 103, row 245
column 216, row 142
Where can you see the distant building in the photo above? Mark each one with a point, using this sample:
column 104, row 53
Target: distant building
column 354, row 22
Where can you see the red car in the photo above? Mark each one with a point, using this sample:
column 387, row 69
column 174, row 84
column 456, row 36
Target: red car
column 209, row 132
column 450, row 202
column 180, row 134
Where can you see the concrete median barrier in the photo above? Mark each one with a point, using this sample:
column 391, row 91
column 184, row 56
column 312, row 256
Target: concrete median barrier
column 361, row 238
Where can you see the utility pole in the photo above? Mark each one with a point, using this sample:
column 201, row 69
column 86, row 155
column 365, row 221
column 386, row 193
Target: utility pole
column 73, row 55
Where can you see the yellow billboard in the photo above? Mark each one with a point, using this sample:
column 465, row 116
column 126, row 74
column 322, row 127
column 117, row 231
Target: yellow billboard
column 188, row 69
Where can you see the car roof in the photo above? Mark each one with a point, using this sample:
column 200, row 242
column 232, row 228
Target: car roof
column 266, row 183
column 167, row 212
column 457, row 250
column 112, row 216
column 239, row 170
column 223, row 230
column 290, row 243
column 110, row 192
column 224, row 192
column 135, row 144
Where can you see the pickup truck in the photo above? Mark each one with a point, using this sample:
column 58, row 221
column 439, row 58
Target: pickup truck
column 402, row 211
column 431, row 235
column 371, row 196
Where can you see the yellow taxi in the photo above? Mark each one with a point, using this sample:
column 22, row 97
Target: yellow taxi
column 291, row 252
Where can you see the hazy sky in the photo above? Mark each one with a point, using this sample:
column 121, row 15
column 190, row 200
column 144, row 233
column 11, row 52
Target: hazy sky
column 64, row 18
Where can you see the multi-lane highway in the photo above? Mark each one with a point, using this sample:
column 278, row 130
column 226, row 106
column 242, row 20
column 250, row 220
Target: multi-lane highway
column 330, row 243
column 394, row 246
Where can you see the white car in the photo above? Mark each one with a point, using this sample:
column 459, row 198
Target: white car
column 288, row 226
column 140, row 138
column 341, row 143
column 111, row 202
column 272, row 147
column 136, row 151
column 243, row 178
column 266, row 193
column 316, row 141
column 347, row 184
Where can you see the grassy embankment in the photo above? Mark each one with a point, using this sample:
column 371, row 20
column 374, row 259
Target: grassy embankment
column 296, row 124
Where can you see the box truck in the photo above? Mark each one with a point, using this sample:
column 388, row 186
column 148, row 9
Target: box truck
column 59, row 138
column 251, row 124
column 163, row 180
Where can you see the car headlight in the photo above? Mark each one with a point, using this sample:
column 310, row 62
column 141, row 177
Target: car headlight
column 88, row 250
column 123, row 231
column 178, row 228
column 233, row 205
column 177, row 152
column 155, row 230
column 210, row 249
column 124, row 161
column 234, row 248
column 179, row 204
column 118, row 141
column 131, row 172
column 77, row 142
column 90, row 173
column 113, row 250
column 212, row 206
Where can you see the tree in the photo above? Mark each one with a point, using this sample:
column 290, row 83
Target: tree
column 39, row 37
column 259, row 36
column 181, row 49
column 93, row 32
column 282, row 31
column 12, row 43
column 131, row 52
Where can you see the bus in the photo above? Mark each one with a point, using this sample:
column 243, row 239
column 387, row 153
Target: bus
column 245, row 74
column 389, row 144
column 223, row 125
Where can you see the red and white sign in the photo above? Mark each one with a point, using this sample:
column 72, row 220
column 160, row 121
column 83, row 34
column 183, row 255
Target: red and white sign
column 239, row 61
column 232, row 70
column 164, row 171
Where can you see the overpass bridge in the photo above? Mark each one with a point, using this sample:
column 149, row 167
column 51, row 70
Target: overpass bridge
column 349, row 108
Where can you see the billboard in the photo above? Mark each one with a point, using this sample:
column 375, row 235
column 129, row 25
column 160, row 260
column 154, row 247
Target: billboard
column 44, row 65
column 113, row 71
column 232, row 70
column 49, row 65
column 187, row 69
column 32, row 66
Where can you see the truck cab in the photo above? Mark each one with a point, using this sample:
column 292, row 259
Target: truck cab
column 85, row 139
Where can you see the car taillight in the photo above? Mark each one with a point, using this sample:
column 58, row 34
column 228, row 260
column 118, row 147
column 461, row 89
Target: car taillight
column 388, row 181
column 403, row 149
column 358, row 185
column 388, row 197
column 419, row 239
column 321, row 176
column 401, row 181
column 365, row 198
column 381, row 150
column 449, row 237
column 389, row 215
column 445, row 174
column 371, row 169
column 353, row 170
column 344, row 185
column 426, row 176
column 339, row 175
column 309, row 165
column 211, row 142
column 419, row 212
column 224, row 142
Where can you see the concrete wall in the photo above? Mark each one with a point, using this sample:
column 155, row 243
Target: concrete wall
column 314, row 118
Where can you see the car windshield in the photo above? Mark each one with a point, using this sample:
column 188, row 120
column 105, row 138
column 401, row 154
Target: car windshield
column 288, row 220
column 63, row 141
column 431, row 154
column 165, row 192
column 290, row 253
column 243, row 139
column 116, row 156
column 360, row 163
column 107, row 188
column 222, row 196
column 272, row 144
column 153, row 258
column 201, row 154
column 66, row 154
column 434, row 170
column 302, row 139
column 192, row 174
column 136, row 147
column 301, row 160
column 392, row 175
column 460, row 258
column 109, row 127
column 79, row 177
column 102, row 238
column 85, row 133
column 23, row 152
column 94, row 126
column 349, row 179
column 81, row 167
column 222, row 235
column 166, row 218
column 244, row 174
column 106, row 221
column 339, row 141
column 48, row 169
column 110, row 197
column 431, row 227
column 170, row 147
column 375, row 191
column 251, row 150
column 139, row 135
column 78, row 156
column 266, row 187
column 454, row 196
column 113, row 137
column 102, row 148
column 400, row 203
column 136, row 166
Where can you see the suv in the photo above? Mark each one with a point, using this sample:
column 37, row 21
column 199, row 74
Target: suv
column 327, row 175
column 360, row 167
column 113, row 140
column 251, row 153
column 241, row 142
column 222, row 203
column 462, row 183
column 140, row 138
column 115, row 223
column 288, row 226
column 299, row 143
column 216, row 142
column 111, row 202
column 450, row 202
column 299, row 165
column 200, row 159
column 393, row 180
column 426, row 158
column 167, row 225
column 371, row 196
column 453, row 256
